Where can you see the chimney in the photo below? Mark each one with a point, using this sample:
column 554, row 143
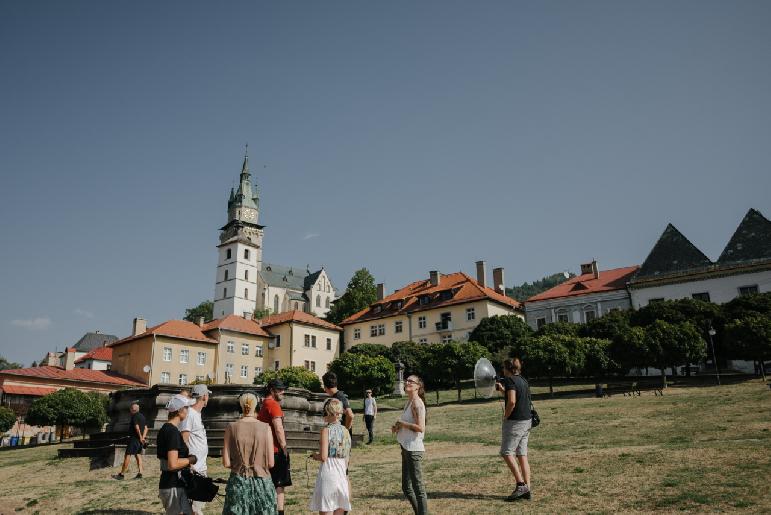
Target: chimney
column 380, row 291
column 498, row 283
column 481, row 273
column 201, row 321
column 69, row 358
column 586, row 268
column 434, row 277
column 140, row 326
column 595, row 270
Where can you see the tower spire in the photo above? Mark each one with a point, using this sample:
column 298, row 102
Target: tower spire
column 245, row 166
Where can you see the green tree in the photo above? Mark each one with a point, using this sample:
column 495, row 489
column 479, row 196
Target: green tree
column 563, row 328
column 261, row 313
column 6, row 365
column 371, row 349
column 745, row 305
column 629, row 349
column 68, row 407
column 553, row 355
column 414, row 357
column 453, row 362
column 501, row 331
column 7, row 419
column 358, row 372
column 297, row 377
column 526, row 290
column 598, row 362
column 670, row 345
column 751, row 336
column 361, row 292
column 205, row 309
column 606, row 327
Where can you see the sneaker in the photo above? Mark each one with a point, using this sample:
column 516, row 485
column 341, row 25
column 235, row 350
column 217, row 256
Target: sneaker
column 521, row 492
column 138, row 476
column 119, row 477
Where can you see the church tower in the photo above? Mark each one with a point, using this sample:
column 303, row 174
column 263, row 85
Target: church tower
column 240, row 250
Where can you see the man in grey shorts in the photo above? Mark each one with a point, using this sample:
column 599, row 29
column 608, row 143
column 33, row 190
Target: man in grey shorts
column 516, row 427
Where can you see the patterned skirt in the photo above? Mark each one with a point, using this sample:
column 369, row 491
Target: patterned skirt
column 249, row 496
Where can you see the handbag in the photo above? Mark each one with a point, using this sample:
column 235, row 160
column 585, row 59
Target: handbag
column 535, row 420
column 199, row 487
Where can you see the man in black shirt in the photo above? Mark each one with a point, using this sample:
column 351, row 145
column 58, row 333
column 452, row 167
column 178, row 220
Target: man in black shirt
column 330, row 387
column 137, row 436
column 516, row 426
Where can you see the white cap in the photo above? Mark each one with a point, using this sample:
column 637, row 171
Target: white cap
column 178, row 402
column 200, row 390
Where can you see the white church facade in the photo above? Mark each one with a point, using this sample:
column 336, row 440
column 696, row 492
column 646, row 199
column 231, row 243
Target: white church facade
column 244, row 283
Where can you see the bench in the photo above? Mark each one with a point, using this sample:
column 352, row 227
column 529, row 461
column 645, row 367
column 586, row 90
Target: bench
column 628, row 389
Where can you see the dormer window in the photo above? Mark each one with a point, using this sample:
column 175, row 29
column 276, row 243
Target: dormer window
column 446, row 295
column 398, row 304
column 424, row 299
column 377, row 309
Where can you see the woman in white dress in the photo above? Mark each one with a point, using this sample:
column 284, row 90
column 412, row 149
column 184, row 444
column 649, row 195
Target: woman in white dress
column 332, row 493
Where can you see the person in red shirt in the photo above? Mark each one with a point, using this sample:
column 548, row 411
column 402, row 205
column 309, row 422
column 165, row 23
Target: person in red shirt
column 272, row 414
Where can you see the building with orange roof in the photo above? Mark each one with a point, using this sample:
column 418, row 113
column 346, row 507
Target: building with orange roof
column 582, row 298
column 96, row 359
column 442, row 308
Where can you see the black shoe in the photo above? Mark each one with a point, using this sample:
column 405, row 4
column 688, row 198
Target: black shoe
column 521, row 492
column 138, row 476
column 119, row 477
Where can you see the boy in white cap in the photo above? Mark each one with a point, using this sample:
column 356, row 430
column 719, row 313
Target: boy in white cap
column 194, row 434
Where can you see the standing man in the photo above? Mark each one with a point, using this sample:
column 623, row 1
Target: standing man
column 370, row 412
column 137, row 436
column 194, row 435
column 330, row 387
column 517, row 421
column 272, row 414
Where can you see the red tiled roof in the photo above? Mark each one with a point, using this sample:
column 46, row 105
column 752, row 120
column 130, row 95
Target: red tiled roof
column 460, row 289
column 100, row 353
column 297, row 316
column 236, row 324
column 174, row 329
column 609, row 280
column 39, row 391
column 76, row 374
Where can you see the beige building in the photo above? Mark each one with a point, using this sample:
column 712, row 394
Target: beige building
column 442, row 308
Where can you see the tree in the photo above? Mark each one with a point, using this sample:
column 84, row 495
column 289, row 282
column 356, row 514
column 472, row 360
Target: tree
column 501, row 331
column 741, row 307
column 7, row 365
column 359, row 372
column 414, row 357
column 205, row 309
column 452, row 362
column 526, row 290
column 7, row 419
column 361, row 292
column 260, row 313
column 563, row 328
column 297, row 377
column 606, row 327
column 670, row 345
column 628, row 349
column 751, row 336
column 371, row 349
column 553, row 355
column 68, row 407
column 597, row 360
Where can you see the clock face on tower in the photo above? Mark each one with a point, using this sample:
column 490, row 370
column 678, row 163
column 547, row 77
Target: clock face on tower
column 249, row 214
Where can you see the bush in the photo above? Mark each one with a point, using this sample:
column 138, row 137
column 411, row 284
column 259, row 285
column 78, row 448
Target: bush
column 358, row 372
column 7, row 419
column 371, row 349
column 296, row 377
column 68, row 407
column 501, row 331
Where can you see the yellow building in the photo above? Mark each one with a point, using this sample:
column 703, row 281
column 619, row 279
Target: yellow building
column 442, row 308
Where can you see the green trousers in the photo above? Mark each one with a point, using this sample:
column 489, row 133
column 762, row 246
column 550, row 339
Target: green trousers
column 412, row 481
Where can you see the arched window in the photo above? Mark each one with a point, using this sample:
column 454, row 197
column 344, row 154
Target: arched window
column 296, row 306
column 224, row 293
column 246, row 275
column 275, row 304
column 562, row 315
column 589, row 313
column 246, row 293
column 227, row 254
column 327, row 303
column 226, row 275
column 318, row 301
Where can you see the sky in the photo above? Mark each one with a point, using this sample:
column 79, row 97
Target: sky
column 399, row 136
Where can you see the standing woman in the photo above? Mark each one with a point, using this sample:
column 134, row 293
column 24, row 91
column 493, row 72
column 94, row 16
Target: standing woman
column 332, row 493
column 247, row 451
column 173, row 455
column 517, row 421
column 409, row 430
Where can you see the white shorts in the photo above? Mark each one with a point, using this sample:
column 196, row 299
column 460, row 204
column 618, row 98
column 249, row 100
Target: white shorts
column 514, row 435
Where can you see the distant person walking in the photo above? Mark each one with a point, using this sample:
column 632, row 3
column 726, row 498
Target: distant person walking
column 409, row 429
column 174, row 457
column 272, row 414
column 137, row 436
column 332, row 491
column 370, row 412
column 330, row 387
column 248, row 452
column 517, row 421
column 194, row 435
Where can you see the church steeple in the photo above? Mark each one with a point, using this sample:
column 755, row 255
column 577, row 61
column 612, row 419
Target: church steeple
column 243, row 204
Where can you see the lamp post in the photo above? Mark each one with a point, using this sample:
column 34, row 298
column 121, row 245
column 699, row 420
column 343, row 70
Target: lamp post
column 712, row 333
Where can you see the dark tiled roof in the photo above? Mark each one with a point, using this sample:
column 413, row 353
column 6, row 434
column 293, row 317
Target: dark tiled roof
column 672, row 253
column 91, row 341
column 750, row 242
column 285, row 276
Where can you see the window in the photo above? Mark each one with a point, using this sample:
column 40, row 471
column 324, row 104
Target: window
column 373, row 330
column 258, row 351
column 182, row 379
column 228, row 255
column 201, row 358
column 278, row 341
column 447, row 338
column 329, row 343
column 307, row 364
column 246, row 293
column 244, row 349
column 357, row 334
column 200, row 379
column 276, row 365
column 231, row 347
column 540, row 322
column 275, row 304
column 257, row 371
column 327, row 302
column 313, row 341
column 228, row 370
column 562, row 315
column 167, row 354
column 377, row 309
column 224, row 293
column 313, row 366
column 398, row 326
column 381, row 329
column 184, row 356
column 307, row 340
column 423, row 340
column 701, row 296
column 471, row 314
column 589, row 314
column 165, row 378
column 424, row 299
column 246, row 275
column 398, row 304
column 318, row 301
column 244, row 371
column 421, row 322
column 226, row 274
column 246, row 254
column 748, row 290
column 296, row 306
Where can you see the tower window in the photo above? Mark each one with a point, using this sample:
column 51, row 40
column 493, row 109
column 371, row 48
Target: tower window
column 246, row 293
column 246, row 253
column 246, row 275
column 275, row 304
column 224, row 293
column 318, row 301
column 226, row 275
column 228, row 254
column 327, row 302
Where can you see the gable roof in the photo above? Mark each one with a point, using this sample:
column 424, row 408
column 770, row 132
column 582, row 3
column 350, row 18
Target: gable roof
column 76, row 374
column 750, row 242
column 455, row 288
column 672, row 253
column 236, row 324
column 90, row 341
column 609, row 280
column 280, row 276
column 297, row 316
column 100, row 354
column 172, row 328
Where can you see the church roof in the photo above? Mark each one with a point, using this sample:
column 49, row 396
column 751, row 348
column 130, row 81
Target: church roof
column 750, row 242
column 672, row 253
column 94, row 340
column 292, row 278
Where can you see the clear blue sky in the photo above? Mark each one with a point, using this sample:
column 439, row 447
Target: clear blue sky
column 401, row 136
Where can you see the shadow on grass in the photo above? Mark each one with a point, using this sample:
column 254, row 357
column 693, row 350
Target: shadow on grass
column 442, row 495
column 114, row 512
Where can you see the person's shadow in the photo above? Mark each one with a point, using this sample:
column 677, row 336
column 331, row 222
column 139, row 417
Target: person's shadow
column 442, row 495
column 115, row 512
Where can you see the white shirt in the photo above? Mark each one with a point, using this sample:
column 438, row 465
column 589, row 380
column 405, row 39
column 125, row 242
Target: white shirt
column 197, row 443
column 411, row 440
column 369, row 406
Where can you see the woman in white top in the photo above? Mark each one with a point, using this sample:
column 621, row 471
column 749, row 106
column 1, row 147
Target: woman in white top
column 409, row 430
column 332, row 493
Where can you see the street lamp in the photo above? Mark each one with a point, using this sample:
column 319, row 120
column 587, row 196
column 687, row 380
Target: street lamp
column 712, row 333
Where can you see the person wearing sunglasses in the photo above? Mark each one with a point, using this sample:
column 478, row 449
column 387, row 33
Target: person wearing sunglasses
column 409, row 429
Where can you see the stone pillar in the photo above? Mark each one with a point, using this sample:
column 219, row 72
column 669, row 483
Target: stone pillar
column 399, row 384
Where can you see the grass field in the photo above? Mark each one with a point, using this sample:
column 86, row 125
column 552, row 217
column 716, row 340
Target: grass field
column 702, row 449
